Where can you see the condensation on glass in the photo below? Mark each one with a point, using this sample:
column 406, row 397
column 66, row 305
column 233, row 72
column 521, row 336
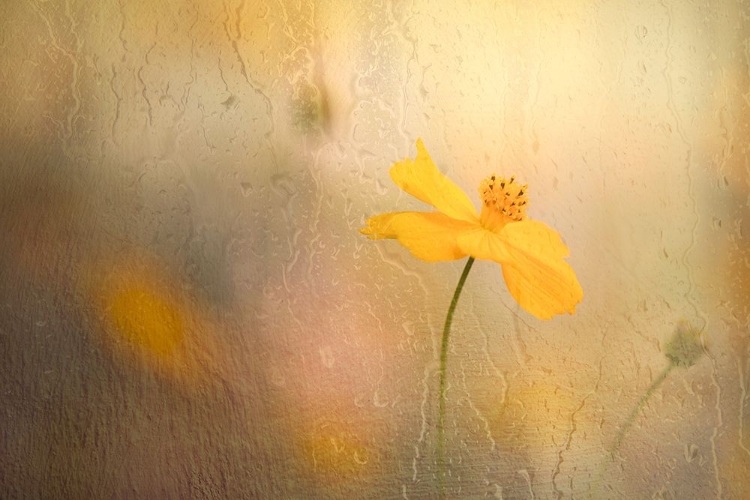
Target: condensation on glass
column 188, row 309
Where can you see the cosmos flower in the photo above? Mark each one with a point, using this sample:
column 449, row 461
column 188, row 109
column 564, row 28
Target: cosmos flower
column 529, row 252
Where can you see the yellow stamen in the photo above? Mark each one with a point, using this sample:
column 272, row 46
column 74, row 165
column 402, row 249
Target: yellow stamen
column 503, row 201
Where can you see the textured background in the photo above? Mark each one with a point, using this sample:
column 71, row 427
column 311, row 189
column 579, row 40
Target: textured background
column 188, row 310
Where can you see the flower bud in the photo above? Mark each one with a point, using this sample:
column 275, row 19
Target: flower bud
column 685, row 347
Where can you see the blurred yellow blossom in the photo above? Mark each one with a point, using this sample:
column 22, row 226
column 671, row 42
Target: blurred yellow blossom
column 146, row 318
column 336, row 452
column 149, row 318
column 529, row 252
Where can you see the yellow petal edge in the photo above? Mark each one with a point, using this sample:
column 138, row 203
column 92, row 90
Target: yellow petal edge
column 428, row 236
column 422, row 179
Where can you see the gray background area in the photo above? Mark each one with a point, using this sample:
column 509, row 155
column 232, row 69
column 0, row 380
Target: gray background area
column 187, row 309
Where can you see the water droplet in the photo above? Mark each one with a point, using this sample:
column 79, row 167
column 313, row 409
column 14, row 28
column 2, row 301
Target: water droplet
column 231, row 102
column 326, row 356
column 277, row 377
column 691, row 452
column 380, row 188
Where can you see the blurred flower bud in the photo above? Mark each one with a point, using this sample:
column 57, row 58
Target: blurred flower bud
column 685, row 347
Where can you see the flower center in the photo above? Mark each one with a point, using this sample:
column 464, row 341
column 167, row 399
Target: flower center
column 503, row 201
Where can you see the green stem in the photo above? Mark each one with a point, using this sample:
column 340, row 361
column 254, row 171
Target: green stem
column 443, row 372
column 628, row 422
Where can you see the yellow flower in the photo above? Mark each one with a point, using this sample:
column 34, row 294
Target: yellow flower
column 529, row 252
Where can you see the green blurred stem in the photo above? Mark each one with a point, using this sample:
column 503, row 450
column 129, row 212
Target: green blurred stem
column 597, row 483
column 443, row 372
column 629, row 421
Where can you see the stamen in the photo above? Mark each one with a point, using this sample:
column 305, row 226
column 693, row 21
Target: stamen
column 504, row 197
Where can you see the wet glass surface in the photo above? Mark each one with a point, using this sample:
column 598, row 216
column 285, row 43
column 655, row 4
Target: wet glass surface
column 188, row 308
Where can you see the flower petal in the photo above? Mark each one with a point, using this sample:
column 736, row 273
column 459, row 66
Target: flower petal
column 481, row 243
column 536, row 274
column 429, row 236
column 421, row 179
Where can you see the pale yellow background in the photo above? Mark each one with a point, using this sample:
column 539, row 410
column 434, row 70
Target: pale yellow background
column 187, row 308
